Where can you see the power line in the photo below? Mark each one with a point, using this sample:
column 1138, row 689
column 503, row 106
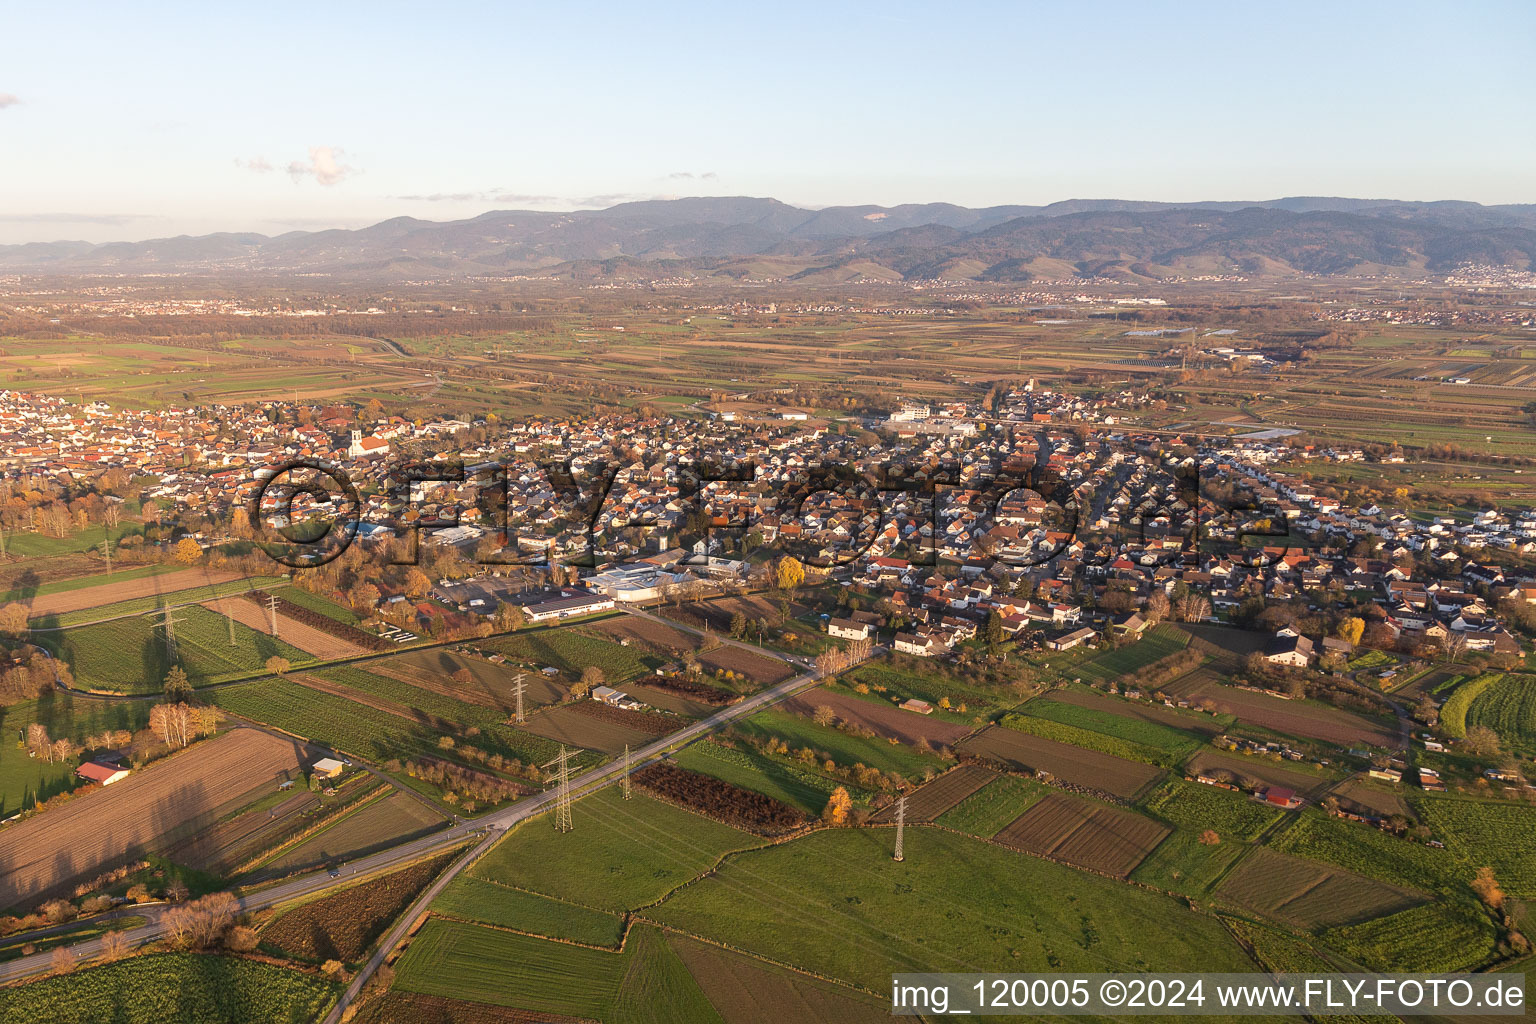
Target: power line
column 168, row 625
column 563, row 790
column 272, row 611
column 517, row 690
column 624, row 781
column 901, row 824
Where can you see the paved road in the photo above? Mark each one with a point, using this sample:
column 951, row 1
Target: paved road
column 481, row 831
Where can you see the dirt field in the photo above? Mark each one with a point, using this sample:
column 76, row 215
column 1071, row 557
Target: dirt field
column 1310, row 895
column 220, row 848
column 148, row 811
column 944, row 792
column 568, row 725
column 388, row 820
column 306, row 638
column 489, row 685
column 1080, row 767
column 385, row 705
column 1085, row 834
column 758, row 667
column 668, row 701
column 644, row 721
column 1364, row 798
column 653, row 636
column 884, row 719
column 128, row 590
column 1226, row 644
column 1257, row 772
column 1295, row 718
column 754, row 606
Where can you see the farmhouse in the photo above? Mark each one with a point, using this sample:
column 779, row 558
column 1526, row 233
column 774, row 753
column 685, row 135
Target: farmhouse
column 922, row 707
column 106, row 774
column 1070, row 640
column 921, row 646
column 326, row 768
column 1279, row 796
column 608, row 695
column 1293, row 651
column 1386, row 774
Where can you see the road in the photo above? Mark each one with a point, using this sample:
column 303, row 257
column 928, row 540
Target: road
column 482, row 832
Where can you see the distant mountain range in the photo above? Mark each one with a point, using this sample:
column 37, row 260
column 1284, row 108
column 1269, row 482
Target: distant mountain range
column 739, row 238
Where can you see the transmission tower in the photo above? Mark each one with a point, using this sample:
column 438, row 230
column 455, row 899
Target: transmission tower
column 168, row 626
column 901, row 825
column 517, row 690
column 272, row 611
column 562, row 768
column 624, row 781
column 228, row 621
column 106, row 552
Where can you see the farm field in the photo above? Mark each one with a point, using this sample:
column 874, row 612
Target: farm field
column 663, row 641
column 828, row 902
column 489, row 685
column 748, row 991
column 474, row 899
column 571, row 649
column 985, row 812
column 129, row 655
column 224, row 846
column 146, row 811
column 1258, row 772
column 1431, row 937
column 879, row 717
column 1198, row 807
column 386, row 821
column 829, row 743
column 669, row 701
column 1084, row 834
column 1479, row 833
column 799, row 787
column 247, row 612
column 1080, row 767
column 623, row 853
column 647, row 982
column 400, row 1007
column 1183, row 864
column 759, row 668
column 903, row 677
column 1309, row 895
column 1508, row 707
column 1372, row 798
column 343, row 925
column 1087, row 739
column 1304, row 719
column 174, row 987
column 1369, row 851
column 137, row 584
column 569, row 725
column 932, row 799
column 1158, row 642
column 1096, row 706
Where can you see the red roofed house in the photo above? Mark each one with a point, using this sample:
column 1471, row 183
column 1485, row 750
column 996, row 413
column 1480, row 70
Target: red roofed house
column 106, row 774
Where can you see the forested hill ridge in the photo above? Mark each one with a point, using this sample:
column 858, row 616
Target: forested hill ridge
column 740, row 238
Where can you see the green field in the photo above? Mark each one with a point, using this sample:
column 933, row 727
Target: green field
column 986, row 811
column 646, row 984
column 130, row 656
column 1508, row 707
column 1086, row 738
column 1369, row 851
column 1191, row 805
column 475, row 899
column 621, row 854
column 1432, row 937
column 1157, row 642
column 571, row 651
column 1183, row 864
column 172, row 988
column 828, row 742
column 24, row 780
column 834, row 902
column 788, row 783
column 1484, row 834
column 1453, row 714
column 1132, row 730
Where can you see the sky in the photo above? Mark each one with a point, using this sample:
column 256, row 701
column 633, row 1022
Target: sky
column 128, row 121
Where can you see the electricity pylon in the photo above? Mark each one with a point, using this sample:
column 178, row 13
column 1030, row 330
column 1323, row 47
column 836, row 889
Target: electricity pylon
column 562, row 768
column 901, row 825
column 168, row 624
column 517, row 691
column 624, row 782
column 272, row 611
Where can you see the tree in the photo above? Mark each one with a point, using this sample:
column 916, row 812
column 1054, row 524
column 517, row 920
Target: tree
column 992, row 632
column 1482, row 741
column 417, row 584
column 788, row 573
column 61, row 961
column 13, row 619
column 738, row 625
column 1209, row 838
column 463, row 677
column 1157, row 607
column 113, row 946
column 838, row 806
column 172, row 724
column 1351, row 629
column 1487, row 889
column 824, row 715
column 591, row 678
column 178, row 687
column 508, row 617
column 188, row 551
column 277, row 665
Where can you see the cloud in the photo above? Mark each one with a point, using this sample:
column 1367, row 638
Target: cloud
column 8, row 99
column 258, row 164
column 113, row 219
column 325, row 166
column 690, row 176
